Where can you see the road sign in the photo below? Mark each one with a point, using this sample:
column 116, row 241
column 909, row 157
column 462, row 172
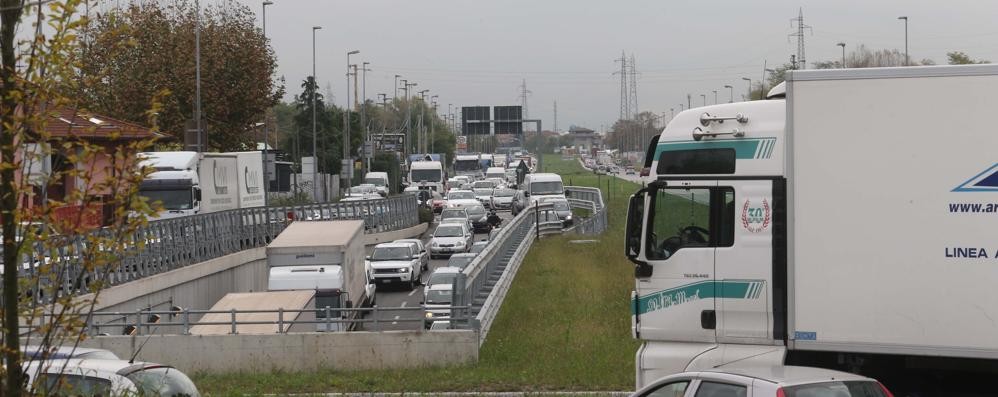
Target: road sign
column 501, row 113
column 470, row 114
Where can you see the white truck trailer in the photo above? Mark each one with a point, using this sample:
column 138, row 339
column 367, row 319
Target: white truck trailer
column 327, row 257
column 851, row 225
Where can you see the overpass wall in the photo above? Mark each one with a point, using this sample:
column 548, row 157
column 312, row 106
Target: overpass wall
column 299, row 351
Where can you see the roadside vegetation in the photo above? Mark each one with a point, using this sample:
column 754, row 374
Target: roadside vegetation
column 565, row 324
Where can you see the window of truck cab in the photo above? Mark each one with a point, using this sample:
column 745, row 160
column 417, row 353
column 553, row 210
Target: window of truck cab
column 689, row 217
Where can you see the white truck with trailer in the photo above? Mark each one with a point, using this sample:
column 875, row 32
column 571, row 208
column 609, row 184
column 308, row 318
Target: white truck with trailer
column 850, row 225
column 189, row 183
column 468, row 164
column 427, row 175
column 327, row 257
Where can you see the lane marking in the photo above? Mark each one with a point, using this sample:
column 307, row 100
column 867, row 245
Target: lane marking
column 411, row 293
column 395, row 322
column 403, row 304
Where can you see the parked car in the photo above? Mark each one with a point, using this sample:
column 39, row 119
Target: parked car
column 396, row 263
column 461, row 261
column 107, row 377
column 780, row 381
column 502, row 199
column 424, row 257
column 450, row 238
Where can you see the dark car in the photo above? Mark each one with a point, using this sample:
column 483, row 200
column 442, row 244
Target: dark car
column 519, row 202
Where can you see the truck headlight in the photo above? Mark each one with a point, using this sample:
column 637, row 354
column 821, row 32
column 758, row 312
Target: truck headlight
column 403, row 270
column 429, row 314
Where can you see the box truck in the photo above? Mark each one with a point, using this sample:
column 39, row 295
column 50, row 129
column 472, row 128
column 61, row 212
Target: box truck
column 326, row 257
column 189, row 183
column 848, row 222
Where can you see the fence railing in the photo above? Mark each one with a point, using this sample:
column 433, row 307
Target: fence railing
column 168, row 244
column 590, row 199
column 188, row 321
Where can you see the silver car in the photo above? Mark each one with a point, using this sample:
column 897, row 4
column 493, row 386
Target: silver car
column 783, row 381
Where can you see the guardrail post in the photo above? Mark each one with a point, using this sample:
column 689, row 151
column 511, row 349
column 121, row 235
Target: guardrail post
column 537, row 220
column 328, row 315
column 138, row 322
column 233, row 321
column 187, row 321
column 280, row 320
column 377, row 321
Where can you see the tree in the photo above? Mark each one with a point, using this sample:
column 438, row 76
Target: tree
column 960, row 58
column 236, row 67
column 40, row 85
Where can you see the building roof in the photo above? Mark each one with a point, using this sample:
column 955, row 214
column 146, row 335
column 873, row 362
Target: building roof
column 67, row 122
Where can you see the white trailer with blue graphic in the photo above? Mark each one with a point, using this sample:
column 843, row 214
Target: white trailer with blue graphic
column 852, row 224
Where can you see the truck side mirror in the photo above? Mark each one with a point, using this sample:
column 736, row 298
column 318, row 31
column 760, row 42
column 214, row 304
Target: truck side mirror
column 367, row 257
column 633, row 230
column 197, row 194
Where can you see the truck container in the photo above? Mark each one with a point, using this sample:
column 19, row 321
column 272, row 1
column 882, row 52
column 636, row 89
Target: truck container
column 324, row 256
column 249, row 178
column 850, row 225
column 189, row 183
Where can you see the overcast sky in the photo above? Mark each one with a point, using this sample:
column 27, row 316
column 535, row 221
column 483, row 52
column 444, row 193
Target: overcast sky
column 471, row 52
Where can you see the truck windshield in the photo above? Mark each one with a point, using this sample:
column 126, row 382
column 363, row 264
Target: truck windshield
column 391, row 254
column 552, row 187
column 425, row 175
column 681, row 218
column 467, row 165
column 172, row 199
column 375, row 181
column 439, row 297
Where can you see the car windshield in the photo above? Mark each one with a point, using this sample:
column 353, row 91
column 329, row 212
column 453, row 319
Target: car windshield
column 476, row 211
column 460, row 262
column 463, row 195
column 484, row 184
column 503, row 193
column 560, row 205
column 390, row 253
column 163, row 381
column 171, row 199
column 441, row 278
column 477, row 248
column 448, row 231
column 836, row 389
column 425, row 175
column 551, row 187
column 483, row 191
column 439, row 297
column 453, row 214
column 467, row 165
column 375, row 181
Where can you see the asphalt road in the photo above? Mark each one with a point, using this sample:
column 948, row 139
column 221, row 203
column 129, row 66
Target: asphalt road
column 395, row 296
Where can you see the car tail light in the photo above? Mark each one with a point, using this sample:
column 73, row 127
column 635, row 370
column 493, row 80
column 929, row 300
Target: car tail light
column 645, row 171
column 884, row 388
column 780, row 393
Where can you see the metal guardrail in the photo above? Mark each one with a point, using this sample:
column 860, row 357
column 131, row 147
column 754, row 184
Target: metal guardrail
column 168, row 244
column 144, row 322
column 591, row 199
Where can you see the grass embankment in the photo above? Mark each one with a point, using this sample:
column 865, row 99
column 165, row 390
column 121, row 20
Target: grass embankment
column 565, row 324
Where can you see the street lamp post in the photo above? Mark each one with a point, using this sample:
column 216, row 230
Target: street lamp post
column 421, row 132
column 266, row 162
column 315, row 153
column 715, row 97
column 396, row 92
column 363, row 119
column 749, row 87
column 433, row 99
column 704, row 97
column 843, row 45
column 907, row 61
column 731, row 93
column 346, row 128
column 197, row 73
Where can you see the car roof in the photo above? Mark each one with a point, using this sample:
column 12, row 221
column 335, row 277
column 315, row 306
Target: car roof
column 408, row 241
column 787, row 375
column 446, row 269
column 463, row 255
column 393, row 244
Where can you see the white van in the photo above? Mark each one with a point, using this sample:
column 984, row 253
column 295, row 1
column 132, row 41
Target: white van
column 544, row 185
column 495, row 172
column 380, row 182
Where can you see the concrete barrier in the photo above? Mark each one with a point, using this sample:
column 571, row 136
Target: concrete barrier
column 299, row 352
column 412, row 232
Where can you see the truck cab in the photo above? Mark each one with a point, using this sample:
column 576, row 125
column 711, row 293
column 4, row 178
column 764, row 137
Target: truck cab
column 174, row 182
column 701, row 234
column 427, row 175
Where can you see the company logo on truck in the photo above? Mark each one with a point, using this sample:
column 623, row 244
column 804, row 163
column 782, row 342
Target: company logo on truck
column 730, row 289
column 221, row 178
column 986, row 181
column 755, row 218
column 251, row 180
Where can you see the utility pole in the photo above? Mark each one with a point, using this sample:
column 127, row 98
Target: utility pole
column 555, row 116
column 346, row 124
column 523, row 98
column 798, row 23
column 197, row 73
column 907, row 61
column 396, row 92
column 843, row 45
column 625, row 112
column 366, row 166
column 315, row 153
column 632, row 97
column 266, row 157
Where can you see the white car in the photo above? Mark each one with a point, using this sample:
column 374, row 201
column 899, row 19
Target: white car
column 778, row 381
column 502, row 199
column 104, row 377
column 437, row 303
column 396, row 263
column 450, row 238
column 461, row 198
column 483, row 195
column 424, row 257
column 440, row 275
